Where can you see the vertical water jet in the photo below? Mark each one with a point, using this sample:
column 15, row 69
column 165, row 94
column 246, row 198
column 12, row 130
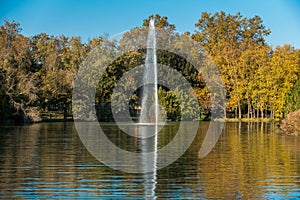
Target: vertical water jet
column 149, row 109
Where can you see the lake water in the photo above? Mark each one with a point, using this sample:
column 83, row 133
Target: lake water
column 250, row 160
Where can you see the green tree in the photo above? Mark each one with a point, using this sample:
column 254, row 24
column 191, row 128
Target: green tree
column 292, row 102
column 133, row 44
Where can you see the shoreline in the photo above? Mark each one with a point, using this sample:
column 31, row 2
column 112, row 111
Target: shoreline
column 70, row 119
column 248, row 120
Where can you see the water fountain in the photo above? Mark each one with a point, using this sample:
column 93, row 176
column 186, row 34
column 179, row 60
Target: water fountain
column 149, row 110
column 151, row 124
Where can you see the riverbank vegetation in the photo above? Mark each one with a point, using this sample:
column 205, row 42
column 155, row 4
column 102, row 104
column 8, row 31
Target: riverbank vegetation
column 261, row 81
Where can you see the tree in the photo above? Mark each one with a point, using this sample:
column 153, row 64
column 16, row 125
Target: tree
column 285, row 70
column 17, row 72
column 38, row 71
column 59, row 59
column 225, row 37
column 133, row 44
column 292, row 102
column 160, row 22
column 253, row 62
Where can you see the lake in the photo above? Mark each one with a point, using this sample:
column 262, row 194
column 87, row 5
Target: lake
column 250, row 160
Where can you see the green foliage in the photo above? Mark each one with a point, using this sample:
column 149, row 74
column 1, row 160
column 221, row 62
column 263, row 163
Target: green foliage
column 292, row 101
column 177, row 105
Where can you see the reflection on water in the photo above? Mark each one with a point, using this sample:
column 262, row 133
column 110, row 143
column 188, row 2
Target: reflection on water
column 250, row 160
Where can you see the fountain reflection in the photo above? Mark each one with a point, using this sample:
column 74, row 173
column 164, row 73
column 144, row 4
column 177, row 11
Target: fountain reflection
column 149, row 164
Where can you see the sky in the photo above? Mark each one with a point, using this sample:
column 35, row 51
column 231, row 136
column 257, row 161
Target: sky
column 92, row 18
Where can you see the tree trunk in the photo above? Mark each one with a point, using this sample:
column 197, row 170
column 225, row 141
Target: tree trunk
column 266, row 113
column 235, row 113
column 262, row 113
column 272, row 114
column 240, row 111
column 249, row 115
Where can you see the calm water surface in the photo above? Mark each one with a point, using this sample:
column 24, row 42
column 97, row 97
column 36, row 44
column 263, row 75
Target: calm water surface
column 250, row 160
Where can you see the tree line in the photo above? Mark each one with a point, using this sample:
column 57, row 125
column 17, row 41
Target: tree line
column 260, row 80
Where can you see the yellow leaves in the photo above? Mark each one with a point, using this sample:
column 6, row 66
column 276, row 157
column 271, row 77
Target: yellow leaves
column 203, row 96
column 248, row 68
